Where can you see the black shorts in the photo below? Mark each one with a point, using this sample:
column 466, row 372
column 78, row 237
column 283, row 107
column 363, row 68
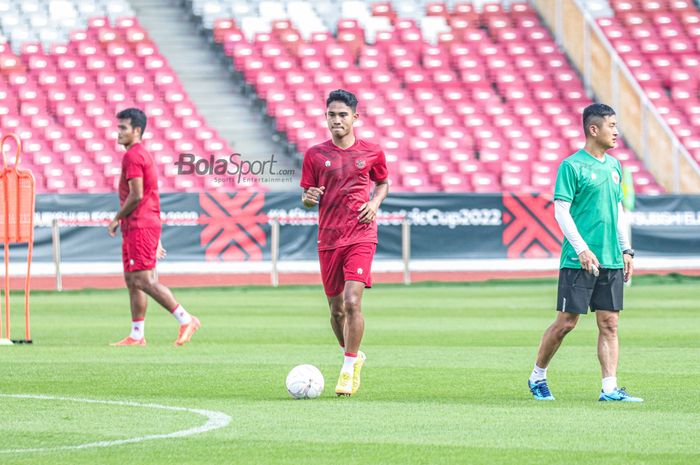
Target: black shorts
column 579, row 290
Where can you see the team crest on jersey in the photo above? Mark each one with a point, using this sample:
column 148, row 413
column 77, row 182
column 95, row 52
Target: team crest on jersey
column 328, row 163
column 360, row 164
column 616, row 177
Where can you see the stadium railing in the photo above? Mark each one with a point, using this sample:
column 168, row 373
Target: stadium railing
column 609, row 77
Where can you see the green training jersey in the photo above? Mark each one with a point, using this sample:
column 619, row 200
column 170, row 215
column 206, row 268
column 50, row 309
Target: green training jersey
column 594, row 190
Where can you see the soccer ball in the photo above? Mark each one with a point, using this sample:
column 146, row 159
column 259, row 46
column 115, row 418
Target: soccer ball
column 304, row 382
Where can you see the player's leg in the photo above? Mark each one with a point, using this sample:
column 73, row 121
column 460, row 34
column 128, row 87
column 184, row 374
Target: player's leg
column 331, row 262
column 357, row 268
column 608, row 301
column 608, row 345
column 144, row 245
column 553, row 336
column 147, row 281
column 335, row 304
column 137, row 299
column 573, row 297
column 348, row 381
column 357, row 274
column 333, row 285
column 354, row 320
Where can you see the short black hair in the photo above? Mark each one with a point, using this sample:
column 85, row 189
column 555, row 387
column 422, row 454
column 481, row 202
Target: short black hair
column 136, row 117
column 593, row 112
column 342, row 95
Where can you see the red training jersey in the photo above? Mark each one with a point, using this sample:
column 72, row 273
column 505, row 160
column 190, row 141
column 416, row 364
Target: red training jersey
column 138, row 163
column 348, row 176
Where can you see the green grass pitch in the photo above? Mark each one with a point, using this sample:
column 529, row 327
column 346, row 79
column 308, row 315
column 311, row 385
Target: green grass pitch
column 444, row 383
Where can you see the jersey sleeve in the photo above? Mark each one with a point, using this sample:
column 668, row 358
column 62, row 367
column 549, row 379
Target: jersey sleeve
column 379, row 171
column 620, row 193
column 565, row 186
column 308, row 173
column 134, row 165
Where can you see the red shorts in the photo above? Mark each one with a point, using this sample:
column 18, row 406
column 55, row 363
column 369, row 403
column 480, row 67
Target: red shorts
column 350, row 263
column 139, row 248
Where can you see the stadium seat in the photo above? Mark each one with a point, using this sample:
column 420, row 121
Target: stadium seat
column 63, row 97
column 667, row 64
column 424, row 79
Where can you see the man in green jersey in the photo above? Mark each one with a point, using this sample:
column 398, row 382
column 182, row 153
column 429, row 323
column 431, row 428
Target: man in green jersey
column 596, row 257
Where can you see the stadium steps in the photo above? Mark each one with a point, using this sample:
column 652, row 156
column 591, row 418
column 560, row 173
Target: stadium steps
column 218, row 98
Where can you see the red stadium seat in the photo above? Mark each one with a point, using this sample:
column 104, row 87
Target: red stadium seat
column 431, row 101
column 455, row 183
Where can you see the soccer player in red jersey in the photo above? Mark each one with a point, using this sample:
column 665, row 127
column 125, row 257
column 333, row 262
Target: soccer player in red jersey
column 338, row 176
column 139, row 219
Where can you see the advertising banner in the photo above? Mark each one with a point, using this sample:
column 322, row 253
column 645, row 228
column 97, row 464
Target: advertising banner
column 236, row 227
column 667, row 225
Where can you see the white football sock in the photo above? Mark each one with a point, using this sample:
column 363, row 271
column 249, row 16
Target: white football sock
column 182, row 316
column 609, row 384
column 538, row 374
column 137, row 327
column 349, row 364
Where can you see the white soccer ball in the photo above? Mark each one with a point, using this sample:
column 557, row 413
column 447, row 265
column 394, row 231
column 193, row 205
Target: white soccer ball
column 304, row 382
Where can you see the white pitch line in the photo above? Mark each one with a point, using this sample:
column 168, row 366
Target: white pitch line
column 215, row 420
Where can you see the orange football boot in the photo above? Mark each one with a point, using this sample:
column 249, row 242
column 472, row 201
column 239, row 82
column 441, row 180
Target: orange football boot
column 130, row 341
column 187, row 331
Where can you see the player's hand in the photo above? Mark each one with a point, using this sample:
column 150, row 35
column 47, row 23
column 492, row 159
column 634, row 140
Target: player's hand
column 368, row 212
column 588, row 258
column 312, row 196
column 112, row 228
column 160, row 251
column 629, row 266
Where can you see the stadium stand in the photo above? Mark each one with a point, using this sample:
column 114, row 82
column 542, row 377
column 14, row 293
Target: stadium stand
column 465, row 97
column 462, row 99
column 660, row 43
column 68, row 67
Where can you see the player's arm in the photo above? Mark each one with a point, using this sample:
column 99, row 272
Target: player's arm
column 312, row 196
column 566, row 222
column 624, row 241
column 130, row 204
column 309, row 181
column 368, row 210
column 564, row 191
column 160, row 251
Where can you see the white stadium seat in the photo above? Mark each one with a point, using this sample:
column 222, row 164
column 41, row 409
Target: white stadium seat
column 432, row 26
column 376, row 24
column 59, row 9
column 272, row 10
column 241, row 9
column 353, row 9
column 251, row 25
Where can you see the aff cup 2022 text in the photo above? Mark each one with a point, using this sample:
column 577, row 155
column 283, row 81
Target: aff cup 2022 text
column 187, row 163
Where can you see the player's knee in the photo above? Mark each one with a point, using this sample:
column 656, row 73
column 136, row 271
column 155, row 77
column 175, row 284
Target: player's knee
column 565, row 327
column 352, row 303
column 337, row 311
column 133, row 282
column 142, row 283
column 608, row 327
